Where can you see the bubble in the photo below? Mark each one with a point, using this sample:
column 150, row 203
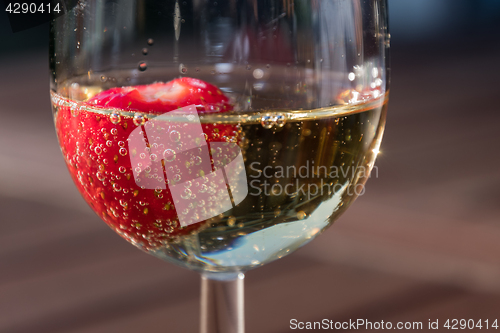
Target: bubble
column 109, row 143
column 115, row 118
column 142, row 156
column 169, row 155
column 122, row 151
column 175, row 136
column 121, row 143
column 100, row 176
column 177, row 178
column 142, row 66
column 267, row 121
column 182, row 69
column 186, row 194
column 139, row 119
column 114, row 131
column 231, row 221
column 145, row 51
column 351, row 76
column 138, row 170
column 153, row 157
column 258, row 73
column 122, row 169
column 116, row 187
column 197, row 160
column 301, row 215
column 151, row 41
column 103, row 78
column 280, row 120
column 98, row 150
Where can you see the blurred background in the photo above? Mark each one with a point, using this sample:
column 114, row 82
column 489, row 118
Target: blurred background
column 422, row 243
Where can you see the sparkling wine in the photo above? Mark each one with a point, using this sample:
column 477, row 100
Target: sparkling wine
column 303, row 168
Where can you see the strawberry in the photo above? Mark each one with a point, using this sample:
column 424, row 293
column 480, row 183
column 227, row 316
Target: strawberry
column 95, row 138
column 158, row 98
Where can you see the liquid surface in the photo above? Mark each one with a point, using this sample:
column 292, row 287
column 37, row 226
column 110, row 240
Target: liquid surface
column 303, row 168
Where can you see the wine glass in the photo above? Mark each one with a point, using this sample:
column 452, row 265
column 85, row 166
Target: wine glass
column 220, row 135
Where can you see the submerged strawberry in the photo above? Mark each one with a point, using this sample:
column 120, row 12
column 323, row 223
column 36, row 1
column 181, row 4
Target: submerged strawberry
column 115, row 176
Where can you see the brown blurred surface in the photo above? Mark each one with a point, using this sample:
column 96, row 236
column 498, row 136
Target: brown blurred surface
column 422, row 243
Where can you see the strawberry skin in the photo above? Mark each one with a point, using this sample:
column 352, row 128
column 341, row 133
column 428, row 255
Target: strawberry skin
column 158, row 98
column 98, row 155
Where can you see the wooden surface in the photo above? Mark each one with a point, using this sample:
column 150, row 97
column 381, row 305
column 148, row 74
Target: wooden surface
column 422, row 243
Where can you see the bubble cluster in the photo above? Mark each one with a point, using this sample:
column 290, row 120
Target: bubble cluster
column 269, row 121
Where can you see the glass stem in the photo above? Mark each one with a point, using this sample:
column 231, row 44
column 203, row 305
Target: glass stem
column 222, row 303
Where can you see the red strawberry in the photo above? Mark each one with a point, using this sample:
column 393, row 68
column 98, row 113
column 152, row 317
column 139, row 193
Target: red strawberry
column 98, row 155
column 158, row 98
